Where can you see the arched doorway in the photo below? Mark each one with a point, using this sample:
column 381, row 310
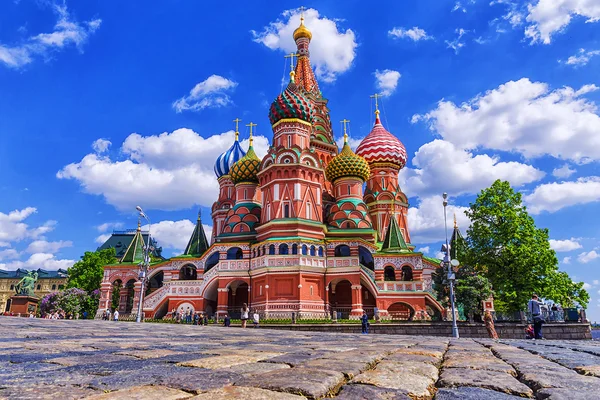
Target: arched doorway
column 407, row 273
column 236, row 297
column 211, row 261
column 115, row 297
column 369, row 302
column 342, row 251
column 366, row 258
column 188, row 273
column 130, row 293
column 155, row 282
column 389, row 273
column 210, row 297
column 401, row 311
column 235, row 253
column 340, row 298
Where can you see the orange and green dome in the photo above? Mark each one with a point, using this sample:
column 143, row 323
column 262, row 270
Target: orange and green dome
column 292, row 103
column 246, row 169
column 347, row 164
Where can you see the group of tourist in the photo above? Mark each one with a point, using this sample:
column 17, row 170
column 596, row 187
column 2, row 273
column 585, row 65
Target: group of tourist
column 106, row 315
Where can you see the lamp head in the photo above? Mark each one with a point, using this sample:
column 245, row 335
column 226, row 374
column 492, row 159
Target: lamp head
column 445, row 195
column 139, row 208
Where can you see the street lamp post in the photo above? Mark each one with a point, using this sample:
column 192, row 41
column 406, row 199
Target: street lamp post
column 448, row 264
column 143, row 265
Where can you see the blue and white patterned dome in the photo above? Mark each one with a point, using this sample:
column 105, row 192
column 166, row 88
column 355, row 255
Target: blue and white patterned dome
column 227, row 159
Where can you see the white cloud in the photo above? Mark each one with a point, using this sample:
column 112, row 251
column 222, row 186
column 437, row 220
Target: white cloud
column 548, row 17
column 458, row 7
column 66, row 32
column 43, row 246
column 13, row 229
column 386, row 81
column 565, row 245
column 45, row 261
column 175, row 234
column 426, row 221
column 525, row 117
column 566, row 260
column 331, row 51
column 457, row 44
column 563, row 172
column 352, row 141
column 168, row 171
column 102, row 238
column 211, row 93
column 9, row 254
column 587, row 257
column 415, row 33
column 596, row 282
column 424, row 250
column 441, row 166
column 108, row 225
column 587, row 286
column 554, row 196
column 582, row 57
column 101, row 145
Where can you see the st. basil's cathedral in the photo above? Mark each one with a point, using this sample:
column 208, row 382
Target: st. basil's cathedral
column 306, row 230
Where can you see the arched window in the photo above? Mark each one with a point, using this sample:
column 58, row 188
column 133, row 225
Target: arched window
column 53, row 287
column 320, row 251
column 389, row 274
column 304, row 249
column 366, row 258
column 245, row 193
column 235, row 253
column 188, row 273
column 307, row 210
column 39, row 287
column 312, row 250
column 349, row 190
column 284, row 249
column 268, row 212
column 272, row 250
column 264, row 250
column 294, row 248
column 211, row 261
column 286, row 210
column 311, row 290
column 342, row 251
column 407, row 274
column 382, row 183
column 289, row 141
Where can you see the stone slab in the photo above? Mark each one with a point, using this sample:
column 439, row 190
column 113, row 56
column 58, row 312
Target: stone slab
column 499, row 381
column 245, row 393
column 473, row 393
column 143, row 392
column 367, row 392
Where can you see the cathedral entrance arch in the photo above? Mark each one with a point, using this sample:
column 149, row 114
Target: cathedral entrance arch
column 401, row 311
column 210, row 296
column 129, row 293
column 236, row 297
column 340, row 298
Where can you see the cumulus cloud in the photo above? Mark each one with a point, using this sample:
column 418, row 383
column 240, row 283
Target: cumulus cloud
column 9, row 254
column 564, row 245
column 588, row 256
column 44, row 246
column 13, row 229
column 102, row 238
column 582, row 57
column 415, row 33
column 566, row 260
column 45, row 261
column 175, row 234
column 386, row 81
column 426, row 221
column 210, row 93
column 168, row 171
column 332, row 50
column 66, row 32
column 101, row 145
column 424, row 250
column 555, row 196
column 525, row 117
column 108, row 225
column 458, row 42
column 548, row 17
column 442, row 166
column 563, row 172
column 352, row 141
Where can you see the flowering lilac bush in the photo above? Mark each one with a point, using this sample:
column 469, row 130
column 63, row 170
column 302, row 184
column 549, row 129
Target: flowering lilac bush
column 71, row 302
column 49, row 303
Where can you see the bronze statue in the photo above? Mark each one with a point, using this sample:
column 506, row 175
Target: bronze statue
column 26, row 285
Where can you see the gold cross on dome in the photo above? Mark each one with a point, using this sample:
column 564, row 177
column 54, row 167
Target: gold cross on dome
column 302, row 12
column 376, row 96
column 345, row 122
column 251, row 125
column 237, row 132
column 291, row 56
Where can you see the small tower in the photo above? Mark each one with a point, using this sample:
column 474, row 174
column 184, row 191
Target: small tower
column 386, row 156
column 135, row 251
column 198, row 243
column 226, row 189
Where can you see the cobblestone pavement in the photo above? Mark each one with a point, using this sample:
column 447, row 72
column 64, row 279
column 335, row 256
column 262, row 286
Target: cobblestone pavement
column 45, row 359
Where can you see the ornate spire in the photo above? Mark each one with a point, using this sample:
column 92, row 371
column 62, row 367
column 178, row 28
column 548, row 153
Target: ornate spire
column 135, row 251
column 394, row 241
column 198, row 243
column 302, row 31
column 376, row 97
column 455, row 224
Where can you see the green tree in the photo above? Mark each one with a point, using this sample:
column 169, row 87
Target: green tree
column 116, row 295
column 516, row 256
column 87, row 273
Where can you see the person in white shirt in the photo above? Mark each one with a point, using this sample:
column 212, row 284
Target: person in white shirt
column 245, row 311
column 116, row 315
column 255, row 319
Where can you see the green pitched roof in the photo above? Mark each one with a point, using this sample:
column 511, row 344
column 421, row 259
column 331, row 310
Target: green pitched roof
column 394, row 241
column 135, row 251
column 198, row 243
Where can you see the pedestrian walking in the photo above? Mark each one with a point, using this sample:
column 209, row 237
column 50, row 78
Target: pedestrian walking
column 536, row 315
column 489, row 325
column 364, row 321
column 245, row 312
column 116, row 315
column 255, row 319
column 196, row 318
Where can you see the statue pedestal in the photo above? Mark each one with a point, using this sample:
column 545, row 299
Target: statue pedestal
column 24, row 305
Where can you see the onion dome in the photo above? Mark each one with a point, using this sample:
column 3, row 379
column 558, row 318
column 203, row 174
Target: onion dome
column 292, row 103
column 246, row 168
column 227, row 159
column 347, row 164
column 302, row 31
column 381, row 147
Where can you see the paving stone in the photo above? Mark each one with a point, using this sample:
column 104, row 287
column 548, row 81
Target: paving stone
column 413, row 367
column 593, row 370
column 367, row 392
column 415, row 385
column 256, row 368
column 315, row 383
column 143, row 392
column 500, row 381
column 227, row 361
column 472, row 393
column 146, row 354
column 196, row 381
column 477, row 362
column 349, row 368
column 567, row 379
column 87, row 359
column 245, row 393
column 295, row 359
column 566, row 394
column 414, row 357
column 45, row 392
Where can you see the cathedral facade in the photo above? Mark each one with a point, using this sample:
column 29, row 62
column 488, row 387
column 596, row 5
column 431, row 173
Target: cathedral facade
column 307, row 229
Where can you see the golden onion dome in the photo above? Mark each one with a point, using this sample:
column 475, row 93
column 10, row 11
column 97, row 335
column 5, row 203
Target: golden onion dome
column 246, row 169
column 302, row 31
column 346, row 164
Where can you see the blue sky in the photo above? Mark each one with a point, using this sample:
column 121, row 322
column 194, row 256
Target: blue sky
column 105, row 105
